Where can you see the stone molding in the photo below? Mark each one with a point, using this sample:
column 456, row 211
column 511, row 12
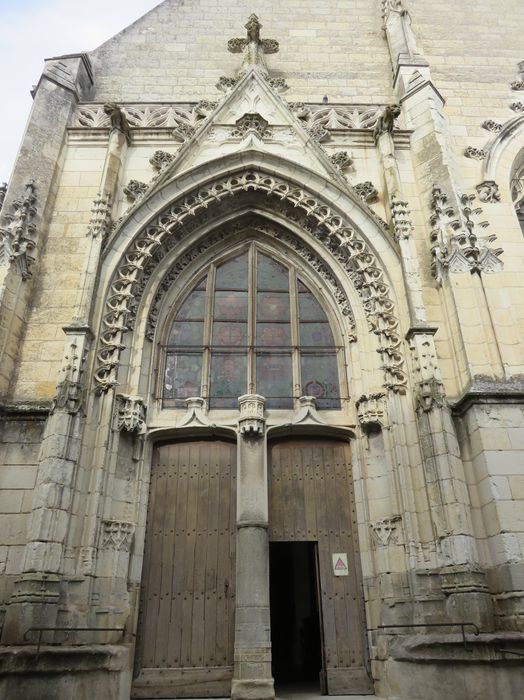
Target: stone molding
column 330, row 228
column 144, row 116
column 17, row 239
column 251, row 422
column 117, row 534
column 130, row 413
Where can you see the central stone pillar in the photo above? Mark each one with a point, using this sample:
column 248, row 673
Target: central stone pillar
column 252, row 677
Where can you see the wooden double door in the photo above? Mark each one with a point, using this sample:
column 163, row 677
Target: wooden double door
column 186, row 621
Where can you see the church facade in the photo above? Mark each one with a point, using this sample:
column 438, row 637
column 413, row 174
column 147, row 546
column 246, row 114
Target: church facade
column 262, row 368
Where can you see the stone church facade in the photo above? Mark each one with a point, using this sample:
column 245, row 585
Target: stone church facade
column 262, row 375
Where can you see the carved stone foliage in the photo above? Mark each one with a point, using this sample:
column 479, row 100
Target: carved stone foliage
column 429, row 390
column 17, row 239
column 492, row 126
column 456, row 243
column 117, row 535
column 252, row 122
column 131, row 413
column 161, row 159
column 341, row 160
column 367, row 191
column 372, row 411
column 100, row 223
column 292, row 202
column 488, row 191
column 251, row 422
column 476, row 153
column 336, row 118
column 221, row 234
column 385, row 530
column 146, row 116
column 517, row 85
column 70, row 391
column 517, row 106
column 400, row 216
column 3, row 190
column 386, row 121
column 135, row 190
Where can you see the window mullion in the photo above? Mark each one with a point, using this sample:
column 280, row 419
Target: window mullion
column 208, row 320
column 295, row 335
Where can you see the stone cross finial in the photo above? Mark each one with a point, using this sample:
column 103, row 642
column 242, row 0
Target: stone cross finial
column 253, row 47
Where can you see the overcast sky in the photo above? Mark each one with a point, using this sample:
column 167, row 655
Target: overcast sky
column 31, row 30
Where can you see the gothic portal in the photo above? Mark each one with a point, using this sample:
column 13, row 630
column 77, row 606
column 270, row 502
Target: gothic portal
column 261, row 384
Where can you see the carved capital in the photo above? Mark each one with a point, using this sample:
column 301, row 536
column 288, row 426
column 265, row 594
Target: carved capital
column 251, row 422
column 131, row 413
column 117, row 535
column 372, row 411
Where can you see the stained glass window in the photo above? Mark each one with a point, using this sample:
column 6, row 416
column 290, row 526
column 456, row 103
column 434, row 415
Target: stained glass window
column 252, row 325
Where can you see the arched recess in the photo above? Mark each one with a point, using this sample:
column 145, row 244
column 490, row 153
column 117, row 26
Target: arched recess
column 144, row 241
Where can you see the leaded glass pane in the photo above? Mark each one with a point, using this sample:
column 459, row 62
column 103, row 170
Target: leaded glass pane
column 187, row 333
column 233, row 274
column 273, row 306
column 316, row 335
column 271, row 275
column 320, row 379
column 309, row 309
column 231, row 306
column 228, row 379
column 193, row 307
column 273, row 335
column 275, row 379
column 230, row 334
column 182, row 378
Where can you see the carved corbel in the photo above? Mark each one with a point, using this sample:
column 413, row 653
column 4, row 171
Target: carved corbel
column 196, row 413
column 251, row 422
column 131, row 413
column 372, row 412
column 308, row 414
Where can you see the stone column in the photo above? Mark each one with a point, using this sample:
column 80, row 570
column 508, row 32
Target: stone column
column 252, row 677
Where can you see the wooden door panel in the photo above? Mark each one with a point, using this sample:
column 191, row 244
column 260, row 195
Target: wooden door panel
column 311, row 499
column 186, row 622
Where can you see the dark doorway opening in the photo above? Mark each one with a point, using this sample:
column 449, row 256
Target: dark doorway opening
column 295, row 620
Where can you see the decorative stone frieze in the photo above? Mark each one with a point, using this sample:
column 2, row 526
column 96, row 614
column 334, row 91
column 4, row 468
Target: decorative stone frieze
column 135, row 190
column 17, row 239
column 385, row 530
column 367, row 191
column 372, row 411
column 252, row 122
column 385, row 123
column 100, row 223
column 161, row 160
column 146, row 116
column 3, row 190
column 491, row 125
column 488, row 191
column 117, row 119
column 295, row 203
column 130, row 413
column 400, row 215
column 251, row 422
column 341, row 160
column 337, row 117
column 476, row 153
column 117, row 534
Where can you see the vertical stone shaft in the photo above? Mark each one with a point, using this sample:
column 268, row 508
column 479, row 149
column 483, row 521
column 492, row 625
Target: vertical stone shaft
column 252, row 673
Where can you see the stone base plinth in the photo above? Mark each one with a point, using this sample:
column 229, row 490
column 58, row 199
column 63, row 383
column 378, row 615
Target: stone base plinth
column 255, row 689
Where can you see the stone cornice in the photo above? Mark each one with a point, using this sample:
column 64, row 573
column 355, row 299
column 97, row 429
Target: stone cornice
column 489, row 391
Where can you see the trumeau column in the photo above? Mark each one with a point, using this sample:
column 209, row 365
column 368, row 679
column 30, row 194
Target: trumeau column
column 23, row 223
column 252, row 671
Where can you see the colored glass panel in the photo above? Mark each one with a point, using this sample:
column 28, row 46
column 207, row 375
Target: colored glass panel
column 228, row 379
column 309, row 309
column 320, row 379
column 273, row 335
column 186, row 333
column 230, row 334
column 275, row 379
column 231, row 306
column 193, row 307
column 182, row 378
column 316, row 335
column 233, row 274
column 273, row 306
column 271, row 275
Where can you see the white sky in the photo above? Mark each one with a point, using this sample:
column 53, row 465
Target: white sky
column 31, row 30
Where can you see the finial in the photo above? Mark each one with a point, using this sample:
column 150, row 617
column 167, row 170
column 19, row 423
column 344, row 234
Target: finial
column 253, row 47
